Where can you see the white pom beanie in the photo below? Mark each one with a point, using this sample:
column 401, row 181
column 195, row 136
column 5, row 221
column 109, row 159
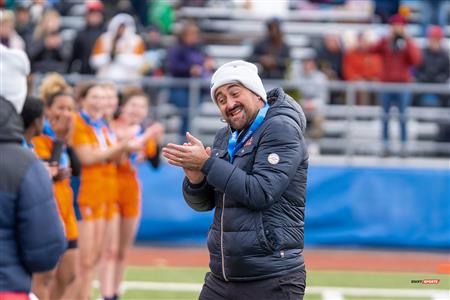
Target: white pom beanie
column 14, row 68
column 238, row 71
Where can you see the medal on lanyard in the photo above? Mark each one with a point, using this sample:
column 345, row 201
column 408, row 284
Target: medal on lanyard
column 233, row 146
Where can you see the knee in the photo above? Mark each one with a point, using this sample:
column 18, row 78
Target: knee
column 111, row 254
column 46, row 278
column 66, row 279
column 121, row 254
column 87, row 262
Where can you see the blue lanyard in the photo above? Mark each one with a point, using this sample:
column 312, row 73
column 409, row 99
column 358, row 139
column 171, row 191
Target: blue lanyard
column 97, row 126
column 233, row 146
column 26, row 145
column 64, row 160
column 133, row 155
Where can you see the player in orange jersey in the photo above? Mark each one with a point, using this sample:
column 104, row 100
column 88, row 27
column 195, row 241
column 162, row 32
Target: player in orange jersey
column 93, row 145
column 133, row 112
column 51, row 147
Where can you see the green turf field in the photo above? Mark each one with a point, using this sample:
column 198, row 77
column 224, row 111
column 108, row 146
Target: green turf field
column 316, row 280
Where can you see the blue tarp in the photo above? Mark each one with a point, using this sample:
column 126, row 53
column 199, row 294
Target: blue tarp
column 346, row 206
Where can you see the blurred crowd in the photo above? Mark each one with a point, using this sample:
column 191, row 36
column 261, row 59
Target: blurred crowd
column 124, row 40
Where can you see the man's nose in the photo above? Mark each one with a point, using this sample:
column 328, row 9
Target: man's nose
column 231, row 103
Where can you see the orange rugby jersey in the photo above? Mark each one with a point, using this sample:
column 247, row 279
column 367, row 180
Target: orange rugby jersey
column 128, row 182
column 98, row 182
column 43, row 147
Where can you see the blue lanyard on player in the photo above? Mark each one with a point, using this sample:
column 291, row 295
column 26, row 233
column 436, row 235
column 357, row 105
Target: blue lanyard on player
column 97, row 126
column 133, row 155
column 26, row 145
column 64, row 160
column 233, row 146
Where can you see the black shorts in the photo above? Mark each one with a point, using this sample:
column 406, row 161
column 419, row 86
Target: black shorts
column 288, row 287
column 72, row 244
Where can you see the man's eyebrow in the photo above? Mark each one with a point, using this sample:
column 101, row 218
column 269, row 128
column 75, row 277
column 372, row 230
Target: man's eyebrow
column 232, row 86
column 228, row 89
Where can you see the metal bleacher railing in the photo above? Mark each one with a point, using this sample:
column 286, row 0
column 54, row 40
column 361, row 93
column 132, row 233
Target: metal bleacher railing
column 348, row 129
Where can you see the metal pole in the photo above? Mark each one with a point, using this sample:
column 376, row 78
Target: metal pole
column 350, row 95
column 194, row 99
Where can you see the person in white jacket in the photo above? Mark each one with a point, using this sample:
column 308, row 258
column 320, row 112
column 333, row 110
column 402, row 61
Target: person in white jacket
column 118, row 53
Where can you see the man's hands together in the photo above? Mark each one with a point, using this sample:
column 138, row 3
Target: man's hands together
column 191, row 156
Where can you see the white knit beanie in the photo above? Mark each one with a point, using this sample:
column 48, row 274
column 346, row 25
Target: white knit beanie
column 238, row 71
column 14, row 68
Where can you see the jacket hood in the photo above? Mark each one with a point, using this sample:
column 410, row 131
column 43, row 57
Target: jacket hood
column 283, row 104
column 126, row 19
column 11, row 125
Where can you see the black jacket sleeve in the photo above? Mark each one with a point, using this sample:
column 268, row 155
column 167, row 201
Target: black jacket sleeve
column 199, row 197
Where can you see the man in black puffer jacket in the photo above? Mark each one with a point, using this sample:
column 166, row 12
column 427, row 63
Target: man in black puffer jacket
column 255, row 178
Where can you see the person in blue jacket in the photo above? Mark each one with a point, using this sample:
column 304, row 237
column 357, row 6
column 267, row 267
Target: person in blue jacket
column 31, row 234
column 255, row 178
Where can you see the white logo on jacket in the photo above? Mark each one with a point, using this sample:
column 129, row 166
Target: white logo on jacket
column 273, row 158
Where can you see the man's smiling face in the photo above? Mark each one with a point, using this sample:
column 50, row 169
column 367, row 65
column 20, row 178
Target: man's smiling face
column 238, row 105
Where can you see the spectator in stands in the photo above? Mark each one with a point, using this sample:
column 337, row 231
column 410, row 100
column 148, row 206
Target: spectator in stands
column 154, row 52
column 314, row 96
column 329, row 61
column 32, row 236
column 399, row 53
column 23, row 25
column 85, row 40
column 329, row 57
column 8, row 36
column 435, row 66
column 272, row 53
column 119, row 53
column 185, row 60
column 360, row 64
column 45, row 48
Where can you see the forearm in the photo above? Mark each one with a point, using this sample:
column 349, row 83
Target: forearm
column 93, row 156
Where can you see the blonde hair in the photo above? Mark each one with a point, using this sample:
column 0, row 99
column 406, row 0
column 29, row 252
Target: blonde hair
column 52, row 85
column 41, row 29
column 6, row 16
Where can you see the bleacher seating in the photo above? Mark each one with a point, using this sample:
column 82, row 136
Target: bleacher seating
column 229, row 34
column 361, row 124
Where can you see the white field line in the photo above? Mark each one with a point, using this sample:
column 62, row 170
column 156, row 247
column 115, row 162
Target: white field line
column 327, row 292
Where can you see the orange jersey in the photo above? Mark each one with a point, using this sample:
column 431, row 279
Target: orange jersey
column 98, row 184
column 129, row 187
column 129, row 190
column 43, row 147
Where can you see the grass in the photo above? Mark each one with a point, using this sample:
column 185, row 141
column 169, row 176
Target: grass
column 315, row 278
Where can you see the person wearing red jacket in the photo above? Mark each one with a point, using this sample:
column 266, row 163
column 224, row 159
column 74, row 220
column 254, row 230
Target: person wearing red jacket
column 398, row 53
column 360, row 64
